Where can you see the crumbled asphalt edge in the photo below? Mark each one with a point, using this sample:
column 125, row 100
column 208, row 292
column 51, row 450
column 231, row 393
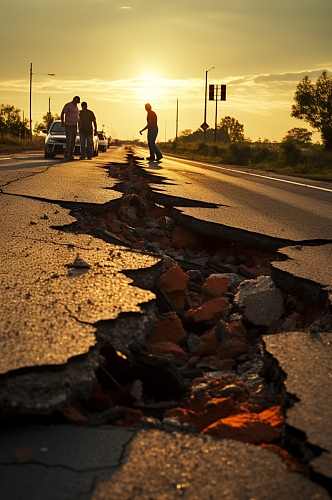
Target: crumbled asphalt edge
column 293, row 441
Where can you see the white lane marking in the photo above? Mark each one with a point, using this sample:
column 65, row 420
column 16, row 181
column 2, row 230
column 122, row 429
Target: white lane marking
column 249, row 173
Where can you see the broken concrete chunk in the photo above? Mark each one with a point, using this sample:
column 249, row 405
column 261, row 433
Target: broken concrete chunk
column 194, row 343
column 129, row 212
column 262, row 302
column 174, row 280
column 169, row 329
column 234, row 279
column 136, row 390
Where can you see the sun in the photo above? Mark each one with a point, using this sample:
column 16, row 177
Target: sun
column 151, row 88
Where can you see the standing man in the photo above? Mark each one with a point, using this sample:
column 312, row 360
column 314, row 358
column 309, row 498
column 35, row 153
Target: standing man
column 152, row 133
column 69, row 120
column 85, row 121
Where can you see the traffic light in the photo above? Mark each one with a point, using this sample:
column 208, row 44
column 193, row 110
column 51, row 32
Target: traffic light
column 223, row 92
column 211, row 92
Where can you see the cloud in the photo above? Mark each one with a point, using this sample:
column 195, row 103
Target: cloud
column 289, row 77
column 259, row 94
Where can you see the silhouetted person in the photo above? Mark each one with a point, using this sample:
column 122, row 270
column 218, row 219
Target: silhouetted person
column 69, row 120
column 152, row 133
column 85, row 121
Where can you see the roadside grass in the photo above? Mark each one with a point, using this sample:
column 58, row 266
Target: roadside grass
column 312, row 162
column 11, row 145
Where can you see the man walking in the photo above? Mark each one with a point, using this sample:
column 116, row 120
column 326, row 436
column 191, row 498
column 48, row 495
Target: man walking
column 152, row 133
column 69, row 120
column 85, row 121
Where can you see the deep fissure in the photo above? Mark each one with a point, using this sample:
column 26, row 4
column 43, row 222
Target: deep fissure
column 172, row 378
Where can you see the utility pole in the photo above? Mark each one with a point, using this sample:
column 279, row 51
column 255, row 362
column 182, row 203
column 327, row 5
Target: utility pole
column 30, row 101
column 49, row 105
column 177, row 117
column 206, row 73
column 215, row 121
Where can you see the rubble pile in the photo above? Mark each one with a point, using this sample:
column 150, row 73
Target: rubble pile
column 203, row 370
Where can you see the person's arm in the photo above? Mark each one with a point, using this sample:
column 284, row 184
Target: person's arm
column 95, row 126
column 146, row 126
column 62, row 117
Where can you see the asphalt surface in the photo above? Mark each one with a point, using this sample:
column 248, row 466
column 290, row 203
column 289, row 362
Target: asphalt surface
column 110, row 463
column 278, row 207
column 306, row 359
column 58, row 306
column 255, row 207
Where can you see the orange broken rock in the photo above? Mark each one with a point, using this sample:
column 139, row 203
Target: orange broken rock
column 164, row 348
column 260, row 271
column 208, row 309
column 132, row 417
column 249, row 427
column 216, row 286
column 72, row 414
column 193, row 361
column 214, row 410
column 294, row 464
column 174, row 280
column 223, row 364
column 178, row 298
column 169, row 329
column 185, row 239
column 164, row 241
column 210, row 343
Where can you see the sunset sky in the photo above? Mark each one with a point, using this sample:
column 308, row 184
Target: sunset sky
column 119, row 54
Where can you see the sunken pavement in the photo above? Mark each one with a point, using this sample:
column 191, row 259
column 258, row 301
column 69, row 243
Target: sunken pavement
column 150, row 354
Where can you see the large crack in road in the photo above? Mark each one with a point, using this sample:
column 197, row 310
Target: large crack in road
column 137, row 383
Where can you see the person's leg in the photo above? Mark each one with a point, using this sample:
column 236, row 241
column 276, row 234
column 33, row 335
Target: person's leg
column 73, row 140
column 82, row 138
column 89, row 145
column 151, row 138
column 154, row 133
column 68, row 140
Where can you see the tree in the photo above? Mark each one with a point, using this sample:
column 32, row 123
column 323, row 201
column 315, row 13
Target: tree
column 11, row 122
column 313, row 104
column 48, row 119
column 232, row 130
column 299, row 135
column 186, row 132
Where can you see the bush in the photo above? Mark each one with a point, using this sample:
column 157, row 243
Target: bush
column 260, row 156
column 241, row 153
column 9, row 143
column 216, row 151
column 203, row 148
column 292, row 151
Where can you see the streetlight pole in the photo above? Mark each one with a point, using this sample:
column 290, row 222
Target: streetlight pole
column 30, row 101
column 177, row 118
column 206, row 72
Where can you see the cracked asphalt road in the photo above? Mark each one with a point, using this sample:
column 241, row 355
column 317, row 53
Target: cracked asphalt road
column 278, row 207
column 108, row 462
column 253, row 207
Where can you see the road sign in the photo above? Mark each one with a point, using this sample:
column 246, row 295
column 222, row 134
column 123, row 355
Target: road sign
column 223, row 92
column 217, row 92
column 204, row 126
